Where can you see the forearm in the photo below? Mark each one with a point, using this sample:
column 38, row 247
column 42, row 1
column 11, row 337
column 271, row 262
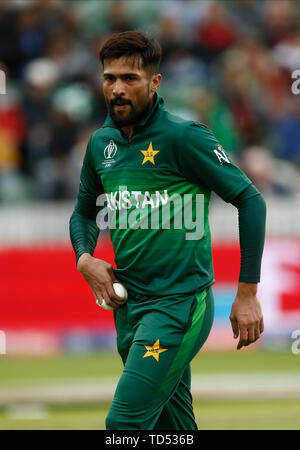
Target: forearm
column 252, row 217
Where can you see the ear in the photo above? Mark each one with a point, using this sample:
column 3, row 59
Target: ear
column 155, row 82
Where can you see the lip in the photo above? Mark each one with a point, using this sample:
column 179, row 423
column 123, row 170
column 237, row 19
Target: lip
column 121, row 106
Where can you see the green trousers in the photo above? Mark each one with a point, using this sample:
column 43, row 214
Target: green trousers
column 157, row 339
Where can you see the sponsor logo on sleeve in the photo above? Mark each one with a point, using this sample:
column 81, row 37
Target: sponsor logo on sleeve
column 221, row 155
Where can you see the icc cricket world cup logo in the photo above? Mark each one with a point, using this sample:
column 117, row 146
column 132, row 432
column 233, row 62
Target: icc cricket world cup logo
column 110, row 150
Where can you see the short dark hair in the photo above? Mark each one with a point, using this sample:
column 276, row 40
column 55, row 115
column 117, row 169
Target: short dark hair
column 133, row 44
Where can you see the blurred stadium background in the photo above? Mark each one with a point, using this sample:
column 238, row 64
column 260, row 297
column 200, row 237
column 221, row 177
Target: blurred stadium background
column 228, row 64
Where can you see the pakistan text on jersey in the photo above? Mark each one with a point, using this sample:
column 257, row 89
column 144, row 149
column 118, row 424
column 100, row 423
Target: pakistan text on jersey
column 124, row 199
column 136, row 210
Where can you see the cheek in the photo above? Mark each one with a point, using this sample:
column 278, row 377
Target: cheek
column 141, row 95
column 104, row 90
column 107, row 90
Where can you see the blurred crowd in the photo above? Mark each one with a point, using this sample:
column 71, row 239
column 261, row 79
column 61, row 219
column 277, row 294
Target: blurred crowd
column 228, row 64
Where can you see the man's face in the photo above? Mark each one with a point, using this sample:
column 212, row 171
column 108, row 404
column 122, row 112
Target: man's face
column 127, row 90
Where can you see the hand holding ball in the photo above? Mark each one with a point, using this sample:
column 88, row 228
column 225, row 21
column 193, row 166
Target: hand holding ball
column 120, row 290
column 104, row 305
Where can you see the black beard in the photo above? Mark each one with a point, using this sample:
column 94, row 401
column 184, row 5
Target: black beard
column 133, row 117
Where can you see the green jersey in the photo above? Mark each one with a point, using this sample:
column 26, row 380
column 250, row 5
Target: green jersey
column 156, row 188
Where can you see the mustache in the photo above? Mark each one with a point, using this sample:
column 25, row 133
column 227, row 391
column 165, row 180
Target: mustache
column 120, row 101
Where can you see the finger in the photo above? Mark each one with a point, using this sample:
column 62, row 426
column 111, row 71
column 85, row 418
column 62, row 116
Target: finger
column 251, row 333
column 112, row 275
column 261, row 325
column 97, row 293
column 235, row 328
column 112, row 294
column 257, row 333
column 108, row 300
column 250, row 336
column 243, row 338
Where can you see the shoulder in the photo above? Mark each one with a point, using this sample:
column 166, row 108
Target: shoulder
column 98, row 139
column 189, row 134
column 98, row 135
column 182, row 127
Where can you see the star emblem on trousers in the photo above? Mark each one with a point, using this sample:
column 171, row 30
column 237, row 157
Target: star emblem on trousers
column 154, row 351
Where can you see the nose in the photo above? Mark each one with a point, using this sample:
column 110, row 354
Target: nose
column 118, row 89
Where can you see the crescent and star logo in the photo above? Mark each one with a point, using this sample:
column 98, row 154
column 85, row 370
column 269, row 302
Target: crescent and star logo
column 149, row 154
column 154, row 350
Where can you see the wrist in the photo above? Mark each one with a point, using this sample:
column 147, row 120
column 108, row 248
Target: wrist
column 83, row 260
column 246, row 289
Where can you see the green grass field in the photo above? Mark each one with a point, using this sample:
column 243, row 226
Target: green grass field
column 270, row 415
column 230, row 414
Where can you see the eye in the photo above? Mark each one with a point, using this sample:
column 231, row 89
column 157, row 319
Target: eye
column 129, row 77
column 108, row 78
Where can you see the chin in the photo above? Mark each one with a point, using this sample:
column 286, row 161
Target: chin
column 123, row 118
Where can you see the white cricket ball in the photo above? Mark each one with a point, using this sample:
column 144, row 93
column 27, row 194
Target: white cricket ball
column 120, row 290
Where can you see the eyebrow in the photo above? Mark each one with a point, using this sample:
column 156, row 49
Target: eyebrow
column 132, row 74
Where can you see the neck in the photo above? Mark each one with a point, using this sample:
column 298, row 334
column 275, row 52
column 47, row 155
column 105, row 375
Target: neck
column 128, row 130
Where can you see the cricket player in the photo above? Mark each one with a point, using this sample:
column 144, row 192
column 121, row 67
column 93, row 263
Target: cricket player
column 154, row 173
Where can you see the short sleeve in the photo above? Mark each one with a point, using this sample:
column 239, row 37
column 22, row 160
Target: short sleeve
column 203, row 161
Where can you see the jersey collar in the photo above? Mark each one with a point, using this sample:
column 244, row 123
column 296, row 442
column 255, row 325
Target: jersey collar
column 158, row 105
